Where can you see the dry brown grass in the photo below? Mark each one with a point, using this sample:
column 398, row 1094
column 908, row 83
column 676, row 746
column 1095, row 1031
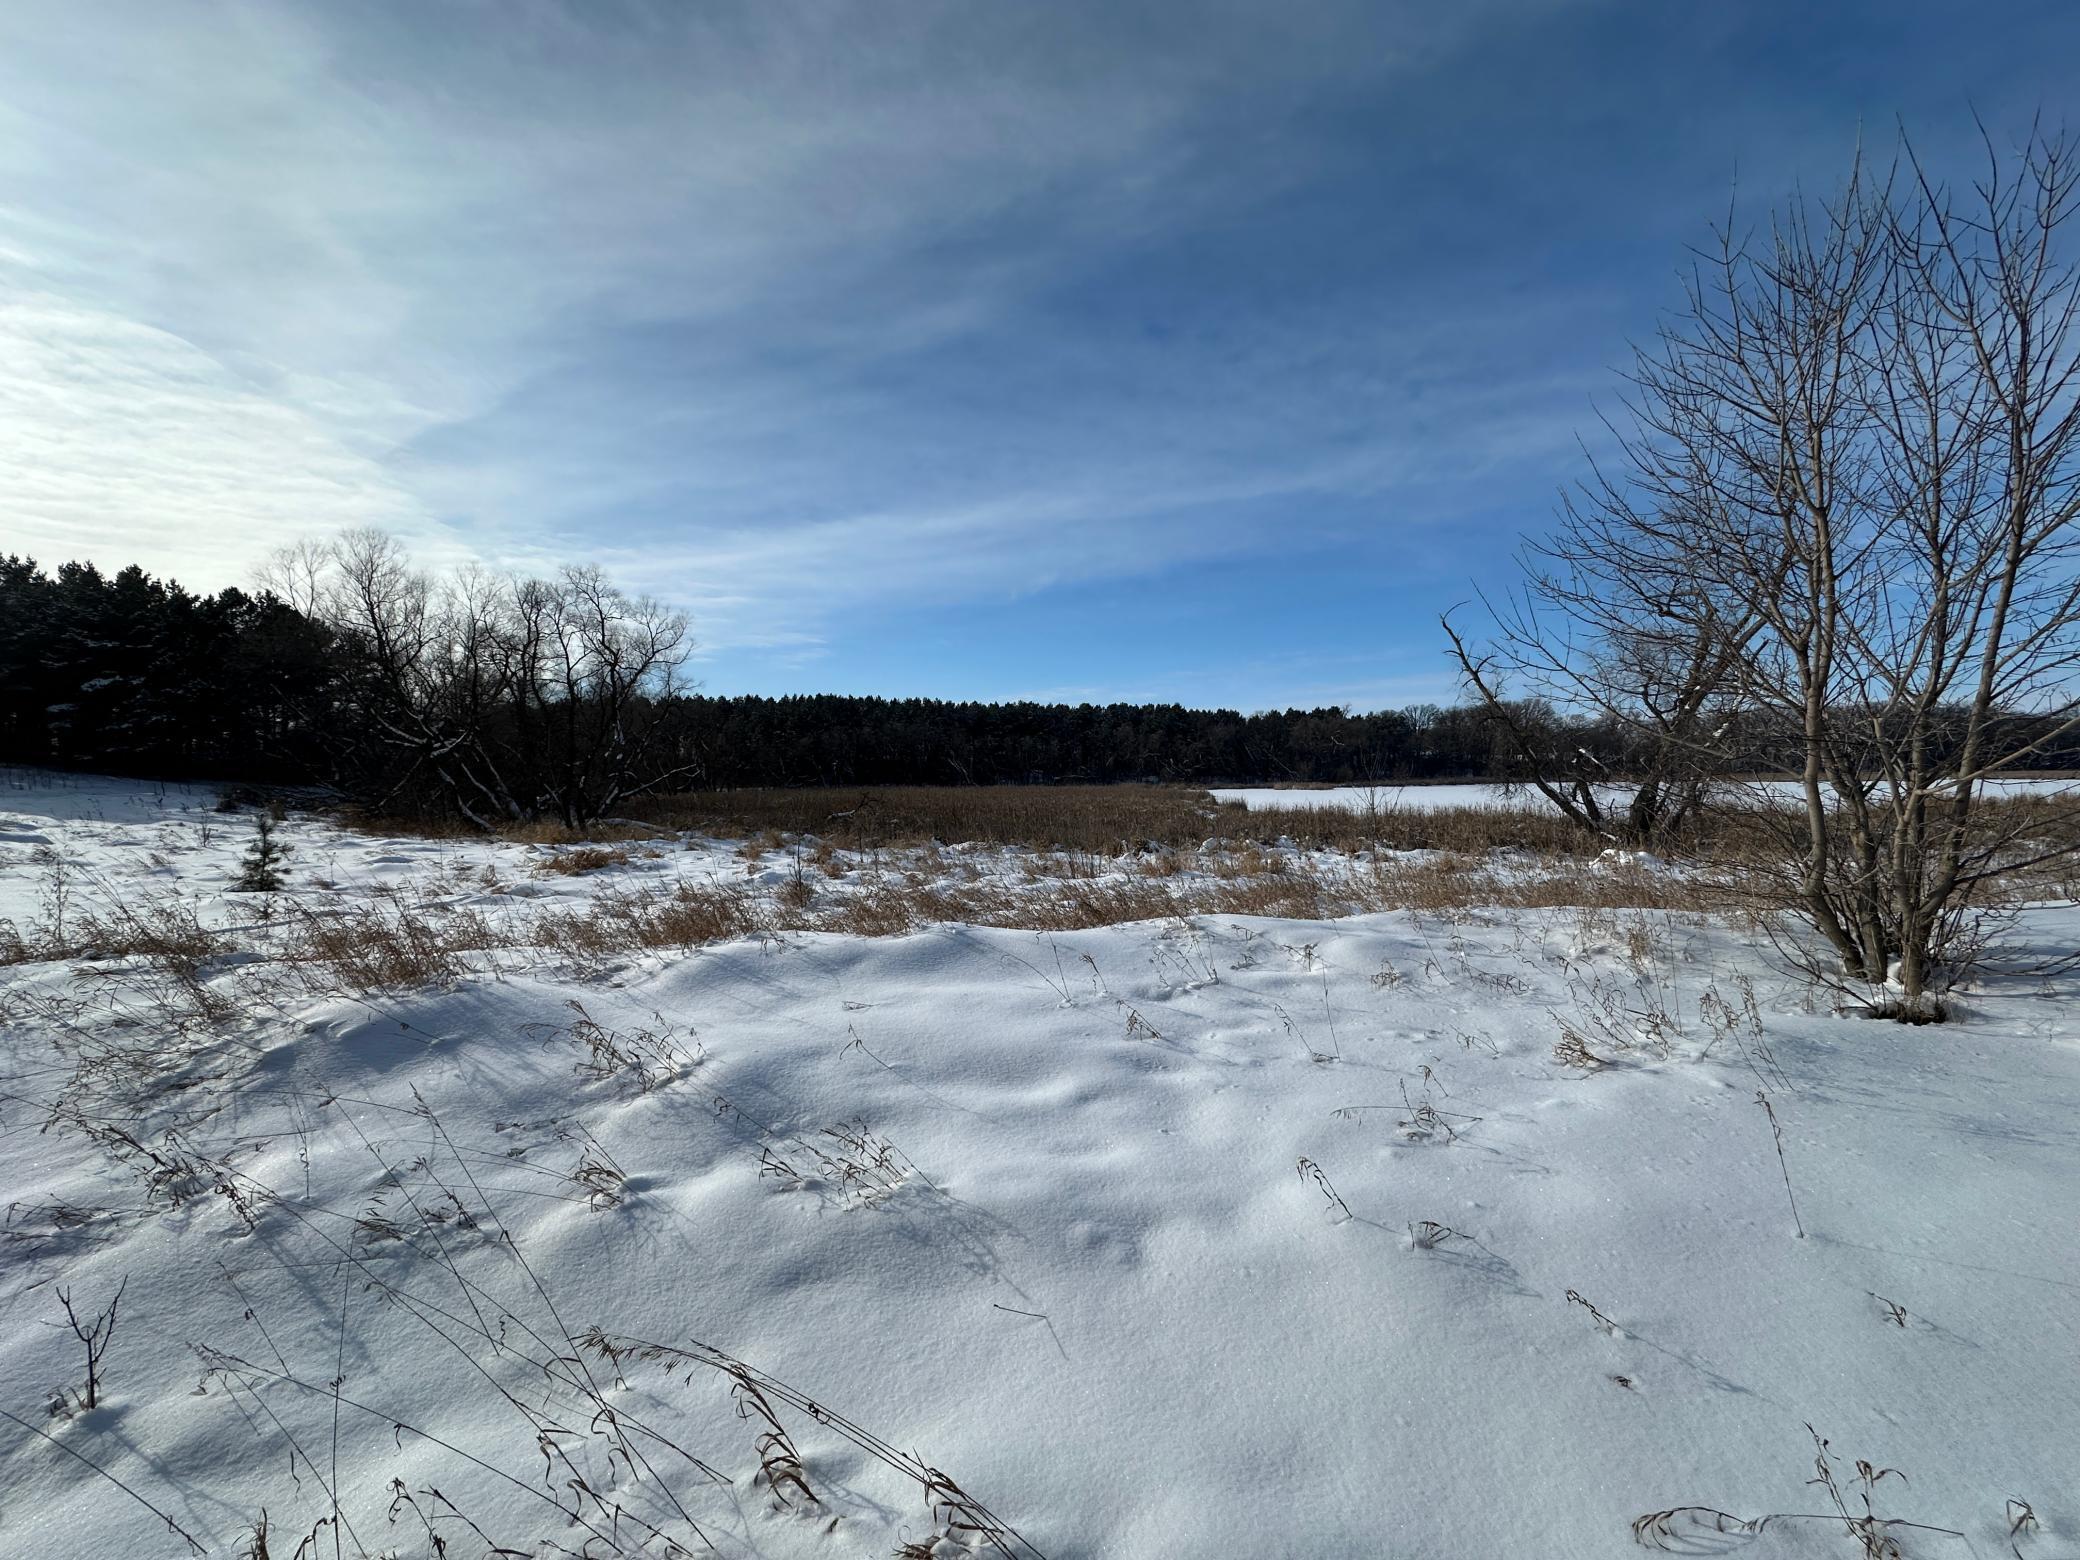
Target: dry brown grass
column 891, row 906
column 1079, row 828
column 1088, row 821
column 641, row 919
column 536, row 831
column 164, row 929
column 1102, row 855
column 1091, row 818
column 385, row 946
column 580, row 859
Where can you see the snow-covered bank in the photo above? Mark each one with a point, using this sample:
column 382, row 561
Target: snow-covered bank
column 1121, row 1230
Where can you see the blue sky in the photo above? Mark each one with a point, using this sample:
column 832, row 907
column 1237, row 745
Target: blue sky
column 1197, row 352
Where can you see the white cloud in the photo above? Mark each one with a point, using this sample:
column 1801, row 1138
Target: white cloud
column 128, row 444
column 624, row 281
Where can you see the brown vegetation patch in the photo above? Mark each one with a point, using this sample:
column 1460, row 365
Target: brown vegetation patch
column 386, row 947
column 581, row 859
column 1082, row 824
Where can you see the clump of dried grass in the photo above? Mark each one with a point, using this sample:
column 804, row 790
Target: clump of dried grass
column 155, row 943
column 957, row 1514
column 578, row 860
column 1683, row 1528
column 163, row 928
column 650, row 918
column 1308, row 1170
column 647, row 1058
column 385, row 946
column 1428, row 1234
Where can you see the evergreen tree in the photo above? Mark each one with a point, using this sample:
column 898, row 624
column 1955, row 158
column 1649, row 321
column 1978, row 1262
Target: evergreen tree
column 260, row 869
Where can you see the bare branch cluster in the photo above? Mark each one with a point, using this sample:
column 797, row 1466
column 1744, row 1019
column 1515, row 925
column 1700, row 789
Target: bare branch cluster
column 1838, row 541
column 500, row 697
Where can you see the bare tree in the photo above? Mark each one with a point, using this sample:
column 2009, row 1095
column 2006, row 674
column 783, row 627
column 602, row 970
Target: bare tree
column 496, row 697
column 1592, row 629
column 1853, row 461
column 297, row 574
column 608, row 660
column 424, row 675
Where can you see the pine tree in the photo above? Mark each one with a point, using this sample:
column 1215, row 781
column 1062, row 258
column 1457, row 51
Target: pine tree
column 260, row 872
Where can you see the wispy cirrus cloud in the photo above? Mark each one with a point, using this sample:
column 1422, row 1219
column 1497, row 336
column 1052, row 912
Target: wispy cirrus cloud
column 491, row 274
column 813, row 317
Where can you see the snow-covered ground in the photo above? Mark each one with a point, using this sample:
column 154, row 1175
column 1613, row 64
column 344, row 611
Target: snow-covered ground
column 1439, row 798
column 1119, row 1234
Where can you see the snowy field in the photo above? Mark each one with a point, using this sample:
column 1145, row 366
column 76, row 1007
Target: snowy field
column 1439, row 798
column 1449, row 1235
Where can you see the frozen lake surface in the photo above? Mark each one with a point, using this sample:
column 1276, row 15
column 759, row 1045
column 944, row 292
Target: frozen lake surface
column 1437, row 798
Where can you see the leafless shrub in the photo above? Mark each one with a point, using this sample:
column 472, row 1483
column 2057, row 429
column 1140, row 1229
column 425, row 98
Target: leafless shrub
column 95, row 1336
column 1854, row 452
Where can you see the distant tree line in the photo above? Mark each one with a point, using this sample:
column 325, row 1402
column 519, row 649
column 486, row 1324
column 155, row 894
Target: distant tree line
column 493, row 699
column 827, row 739
column 135, row 675
column 500, row 698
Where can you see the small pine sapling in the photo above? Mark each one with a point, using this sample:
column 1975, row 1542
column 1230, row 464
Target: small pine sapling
column 260, row 870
